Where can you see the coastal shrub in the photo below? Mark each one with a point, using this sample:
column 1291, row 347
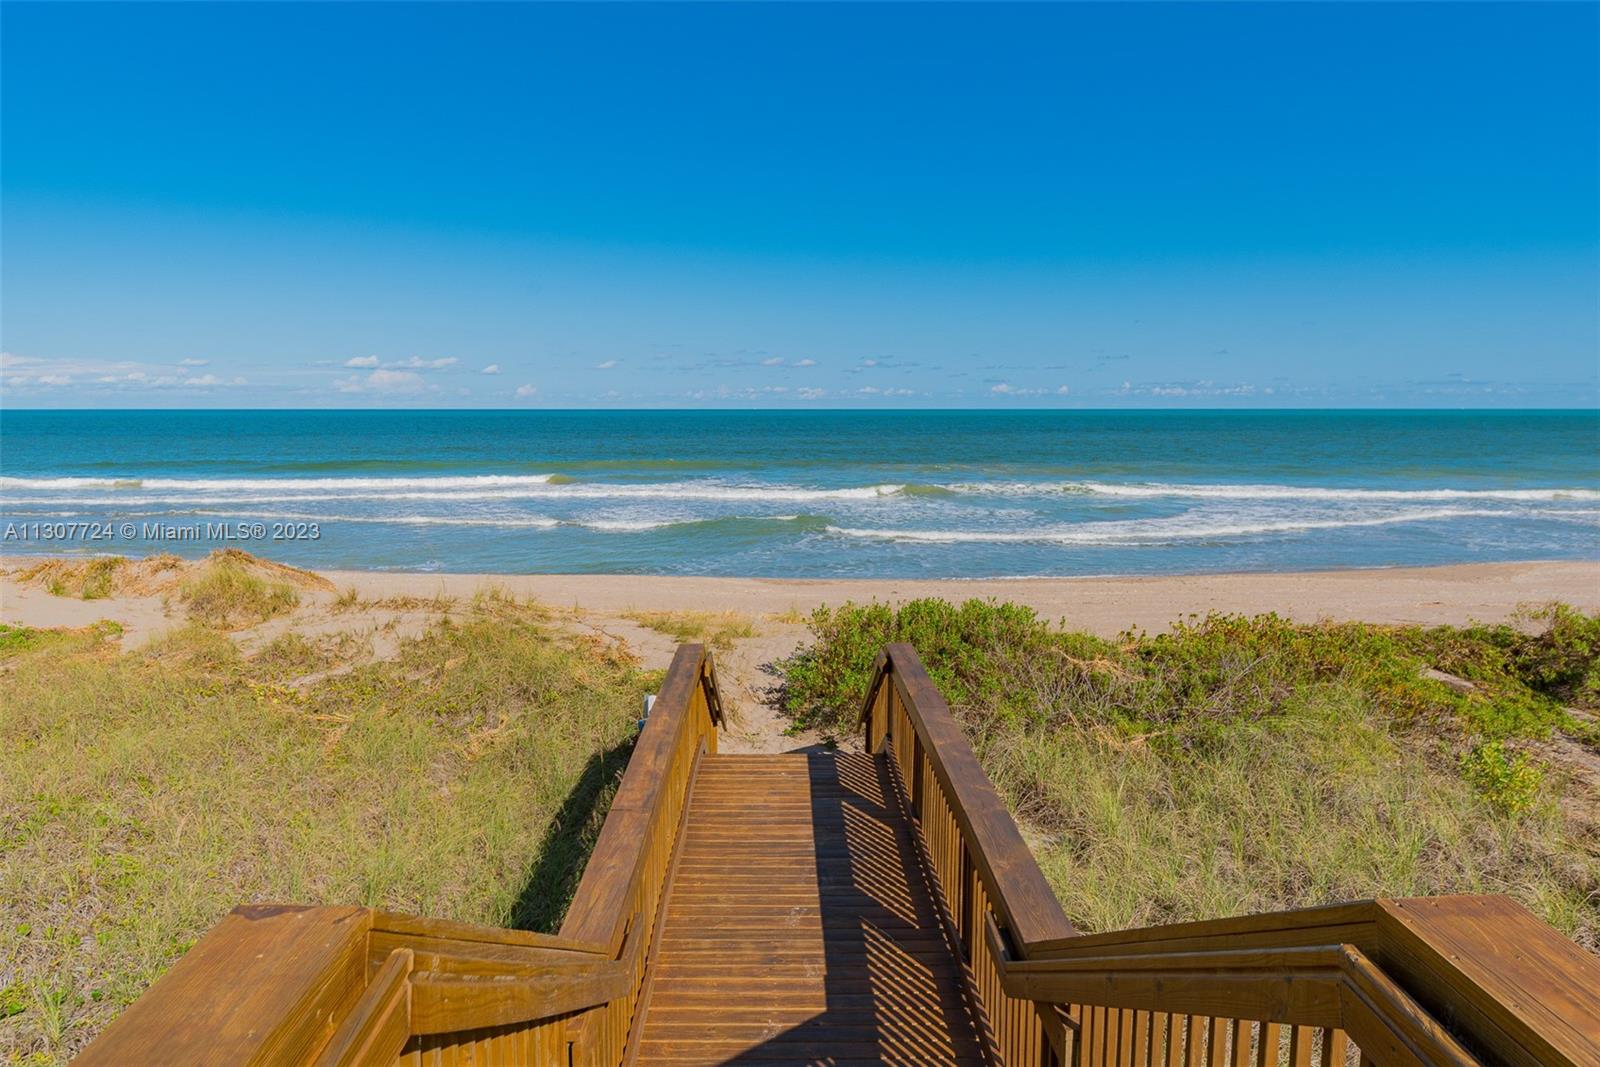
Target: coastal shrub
column 144, row 793
column 1238, row 764
column 972, row 650
column 1507, row 780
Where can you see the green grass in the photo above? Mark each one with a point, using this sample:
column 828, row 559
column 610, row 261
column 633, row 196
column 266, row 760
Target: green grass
column 226, row 593
column 143, row 794
column 1249, row 764
column 718, row 629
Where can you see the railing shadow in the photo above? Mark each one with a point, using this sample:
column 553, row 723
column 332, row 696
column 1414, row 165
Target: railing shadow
column 892, row 985
column 553, row 876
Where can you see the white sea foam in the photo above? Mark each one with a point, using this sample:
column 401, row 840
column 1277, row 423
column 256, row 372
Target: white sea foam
column 1229, row 491
column 678, row 491
column 206, row 485
column 541, row 486
column 1161, row 531
column 538, row 522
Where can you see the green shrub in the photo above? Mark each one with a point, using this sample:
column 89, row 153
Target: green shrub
column 1250, row 763
column 1505, row 779
column 970, row 650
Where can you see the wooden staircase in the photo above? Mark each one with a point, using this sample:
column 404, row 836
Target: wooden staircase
column 830, row 909
column 801, row 926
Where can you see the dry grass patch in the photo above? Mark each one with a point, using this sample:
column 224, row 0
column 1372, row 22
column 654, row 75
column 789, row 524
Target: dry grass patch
column 718, row 629
column 143, row 794
column 350, row 600
column 104, row 576
column 227, row 595
column 232, row 590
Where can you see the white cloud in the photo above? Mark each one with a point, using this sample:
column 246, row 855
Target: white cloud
column 607, row 365
column 525, row 391
column 362, row 361
column 1007, row 389
column 869, row 363
column 493, row 368
column 806, row 363
column 53, row 379
column 193, row 362
column 811, row 394
column 772, row 361
column 1203, row 387
column 418, row 363
column 1063, row 390
column 393, row 382
column 203, row 380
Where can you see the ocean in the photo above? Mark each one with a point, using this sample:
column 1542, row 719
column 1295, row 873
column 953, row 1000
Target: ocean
column 807, row 494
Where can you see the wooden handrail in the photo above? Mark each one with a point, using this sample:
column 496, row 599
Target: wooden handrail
column 627, row 871
column 1023, row 897
column 332, row 986
column 1443, row 980
column 1439, row 980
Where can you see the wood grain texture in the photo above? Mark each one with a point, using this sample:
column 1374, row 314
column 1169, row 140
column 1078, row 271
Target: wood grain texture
column 801, row 928
column 306, row 967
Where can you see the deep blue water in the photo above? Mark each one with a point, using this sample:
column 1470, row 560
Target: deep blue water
column 813, row 494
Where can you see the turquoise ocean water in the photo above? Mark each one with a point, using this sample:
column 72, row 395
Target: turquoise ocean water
column 808, row 494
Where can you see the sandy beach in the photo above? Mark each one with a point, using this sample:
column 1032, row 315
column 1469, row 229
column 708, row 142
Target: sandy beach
column 387, row 607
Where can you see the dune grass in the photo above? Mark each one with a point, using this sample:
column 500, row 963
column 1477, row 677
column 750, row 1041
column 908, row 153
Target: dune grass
column 228, row 594
column 143, row 794
column 718, row 629
column 1249, row 764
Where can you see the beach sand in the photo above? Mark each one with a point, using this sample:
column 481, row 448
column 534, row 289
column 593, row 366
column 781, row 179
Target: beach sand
column 393, row 606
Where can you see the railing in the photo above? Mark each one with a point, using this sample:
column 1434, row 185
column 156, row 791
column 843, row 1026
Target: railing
column 336, row 986
column 1447, row 980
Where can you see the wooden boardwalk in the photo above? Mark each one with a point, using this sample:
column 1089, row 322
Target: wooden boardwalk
column 838, row 910
column 800, row 926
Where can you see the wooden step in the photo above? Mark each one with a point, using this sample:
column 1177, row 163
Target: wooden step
column 800, row 926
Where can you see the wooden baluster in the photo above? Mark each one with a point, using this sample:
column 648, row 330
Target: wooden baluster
column 1216, row 1044
column 1242, row 1031
column 1194, row 1041
column 1300, row 1046
column 1267, row 1047
column 1335, row 1046
column 1141, row 1040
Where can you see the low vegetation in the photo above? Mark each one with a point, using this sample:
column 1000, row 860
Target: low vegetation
column 144, row 793
column 718, row 629
column 1244, row 764
column 98, row 577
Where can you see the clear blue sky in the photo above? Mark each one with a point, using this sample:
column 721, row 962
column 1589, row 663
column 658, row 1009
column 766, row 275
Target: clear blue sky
column 500, row 205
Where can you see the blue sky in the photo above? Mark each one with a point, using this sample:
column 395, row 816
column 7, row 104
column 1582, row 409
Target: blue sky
column 1082, row 206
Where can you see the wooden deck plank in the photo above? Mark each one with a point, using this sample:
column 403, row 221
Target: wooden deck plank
column 801, row 928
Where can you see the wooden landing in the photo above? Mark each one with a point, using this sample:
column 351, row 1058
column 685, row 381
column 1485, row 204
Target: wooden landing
column 800, row 927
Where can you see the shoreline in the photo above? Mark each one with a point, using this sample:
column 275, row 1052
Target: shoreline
column 1433, row 595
